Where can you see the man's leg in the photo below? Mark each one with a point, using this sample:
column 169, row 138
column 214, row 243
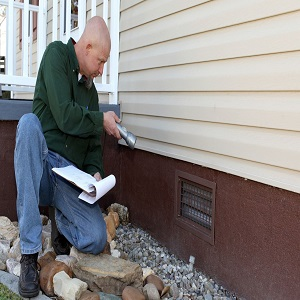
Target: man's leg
column 81, row 223
column 30, row 153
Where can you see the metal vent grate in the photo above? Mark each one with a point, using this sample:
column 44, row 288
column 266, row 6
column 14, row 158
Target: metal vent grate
column 196, row 204
column 195, row 207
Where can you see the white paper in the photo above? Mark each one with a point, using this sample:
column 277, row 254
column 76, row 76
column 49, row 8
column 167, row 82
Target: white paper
column 102, row 187
column 87, row 183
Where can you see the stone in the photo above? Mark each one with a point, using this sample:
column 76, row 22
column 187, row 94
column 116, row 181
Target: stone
column 132, row 293
column 11, row 263
column 122, row 212
column 47, row 243
column 107, row 249
column 108, row 274
column 156, row 281
column 8, row 230
column 115, row 253
column 147, row 272
column 115, row 217
column 44, row 219
column 47, row 273
column 174, row 291
column 88, row 295
column 46, row 258
column 4, row 249
column 70, row 261
column 109, row 239
column 113, row 245
column 2, row 266
column 150, row 291
column 68, row 288
column 15, row 250
column 104, row 296
column 110, row 226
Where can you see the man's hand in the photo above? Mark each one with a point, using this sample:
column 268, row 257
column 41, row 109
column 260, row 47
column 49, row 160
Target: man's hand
column 109, row 124
column 97, row 176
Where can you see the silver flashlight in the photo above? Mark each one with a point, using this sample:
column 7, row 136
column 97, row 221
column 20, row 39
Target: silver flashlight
column 129, row 137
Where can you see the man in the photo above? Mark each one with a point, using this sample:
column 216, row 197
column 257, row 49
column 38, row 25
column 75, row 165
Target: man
column 64, row 129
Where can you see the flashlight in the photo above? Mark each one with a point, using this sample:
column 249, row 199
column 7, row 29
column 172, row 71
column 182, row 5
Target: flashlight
column 129, row 137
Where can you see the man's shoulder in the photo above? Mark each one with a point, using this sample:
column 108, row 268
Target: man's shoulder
column 59, row 45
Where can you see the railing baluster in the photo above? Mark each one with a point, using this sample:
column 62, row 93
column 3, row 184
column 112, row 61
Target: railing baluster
column 54, row 20
column 10, row 39
column 25, row 14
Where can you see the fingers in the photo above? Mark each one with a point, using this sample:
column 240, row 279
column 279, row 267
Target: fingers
column 109, row 124
column 97, row 176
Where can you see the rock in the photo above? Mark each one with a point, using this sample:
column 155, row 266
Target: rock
column 88, row 295
column 68, row 288
column 132, row 293
column 44, row 219
column 46, row 258
column 2, row 266
column 115, row 217
column 156, row 281
column 70, row 261
column 110, row 226
column 15, row 250
column 147, row 272
column 108, row 274
column 115, row 253
column 104, row 296
column 165, row 291
column 113, row 245
column 8, row 230
column 208, row 296
column 47, row 243
column 4, row 249
column 122, row 212
column 150, row 291
column 109, row 239
column 47, row 273
column 106, row 249
column 174, row 291
column 11, row 263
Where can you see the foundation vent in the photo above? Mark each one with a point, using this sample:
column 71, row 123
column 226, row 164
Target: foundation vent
column 195, row 209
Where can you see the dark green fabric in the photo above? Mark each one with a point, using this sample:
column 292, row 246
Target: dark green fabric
column 68, row 111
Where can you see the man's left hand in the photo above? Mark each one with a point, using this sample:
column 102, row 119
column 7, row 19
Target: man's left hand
column 98, row 176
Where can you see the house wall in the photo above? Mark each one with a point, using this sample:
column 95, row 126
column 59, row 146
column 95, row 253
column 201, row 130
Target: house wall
column 214, row 83
column 211, row 88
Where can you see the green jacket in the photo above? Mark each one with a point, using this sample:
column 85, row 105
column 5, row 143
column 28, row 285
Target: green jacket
column 68, row 111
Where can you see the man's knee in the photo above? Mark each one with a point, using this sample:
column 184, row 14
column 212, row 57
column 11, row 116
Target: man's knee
column 94, row 240
column 28, row 122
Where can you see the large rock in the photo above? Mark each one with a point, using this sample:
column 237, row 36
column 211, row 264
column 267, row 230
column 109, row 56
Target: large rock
column 68, row 288
column 47, row 273
column 108, row 274
column 8, row 230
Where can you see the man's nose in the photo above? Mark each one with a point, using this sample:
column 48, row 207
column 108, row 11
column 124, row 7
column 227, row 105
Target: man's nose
column 100, row 70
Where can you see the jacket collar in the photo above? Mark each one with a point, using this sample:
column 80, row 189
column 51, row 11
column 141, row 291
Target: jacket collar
column 72, row 55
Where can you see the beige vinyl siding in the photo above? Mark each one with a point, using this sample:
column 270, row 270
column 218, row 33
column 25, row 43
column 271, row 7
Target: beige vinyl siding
column 215, row 83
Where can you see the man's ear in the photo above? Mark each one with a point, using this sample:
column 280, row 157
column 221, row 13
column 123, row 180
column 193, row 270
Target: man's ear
column 88, row 48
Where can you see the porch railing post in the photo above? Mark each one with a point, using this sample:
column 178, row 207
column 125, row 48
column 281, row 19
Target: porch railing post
column 42, row 27
column 114, row 59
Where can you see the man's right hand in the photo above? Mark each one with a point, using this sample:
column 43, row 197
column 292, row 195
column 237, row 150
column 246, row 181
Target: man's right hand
column 109, row 124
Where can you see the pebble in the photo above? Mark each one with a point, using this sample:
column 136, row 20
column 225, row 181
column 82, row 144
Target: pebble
column 185, row 282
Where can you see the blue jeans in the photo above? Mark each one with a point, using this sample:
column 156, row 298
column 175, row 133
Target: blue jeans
column 81, row 223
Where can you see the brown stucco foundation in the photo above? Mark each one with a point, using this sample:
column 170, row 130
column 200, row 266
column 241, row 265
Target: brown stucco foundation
column 257, row 229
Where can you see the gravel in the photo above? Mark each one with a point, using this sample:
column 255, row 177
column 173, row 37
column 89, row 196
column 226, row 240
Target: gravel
column 185, row 282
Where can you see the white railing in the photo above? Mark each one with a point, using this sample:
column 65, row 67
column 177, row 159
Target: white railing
column 22, row 61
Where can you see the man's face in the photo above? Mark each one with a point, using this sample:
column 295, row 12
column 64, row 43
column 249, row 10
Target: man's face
column 95, row 59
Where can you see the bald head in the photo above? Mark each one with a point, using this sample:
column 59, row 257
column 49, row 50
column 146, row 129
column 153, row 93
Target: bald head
column 93, row 48
column 96, row 33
